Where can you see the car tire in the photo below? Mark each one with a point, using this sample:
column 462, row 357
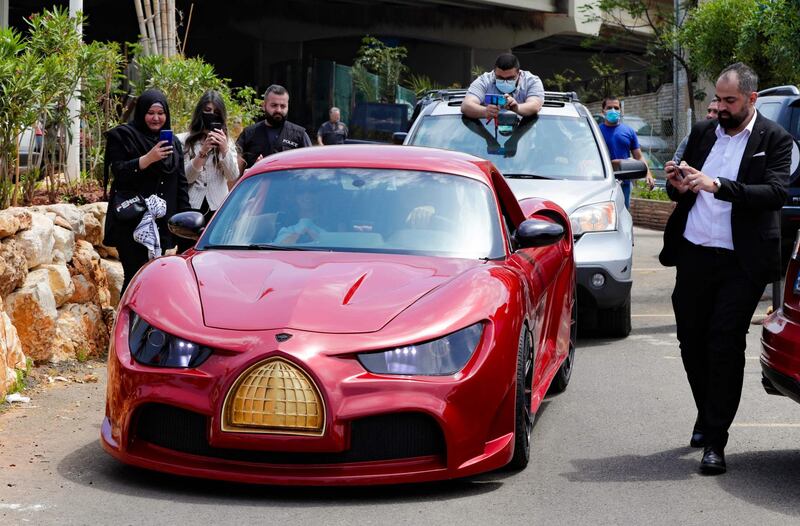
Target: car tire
column 616, row 322
column 561, row 380
column 523, row 419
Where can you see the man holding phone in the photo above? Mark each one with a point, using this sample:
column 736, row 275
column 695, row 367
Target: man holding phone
column 517, row 90
column 724, row 240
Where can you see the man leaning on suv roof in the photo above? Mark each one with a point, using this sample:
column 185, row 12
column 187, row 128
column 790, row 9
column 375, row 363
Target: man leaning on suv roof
column 523, row 91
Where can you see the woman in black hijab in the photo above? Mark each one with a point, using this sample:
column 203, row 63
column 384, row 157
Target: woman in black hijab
column 144, row 166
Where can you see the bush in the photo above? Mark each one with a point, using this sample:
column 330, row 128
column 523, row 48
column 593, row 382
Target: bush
column 641, row 191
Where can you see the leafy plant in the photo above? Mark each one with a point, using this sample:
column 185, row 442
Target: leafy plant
column 641, row 191
column 384, row 61
column 421, row 84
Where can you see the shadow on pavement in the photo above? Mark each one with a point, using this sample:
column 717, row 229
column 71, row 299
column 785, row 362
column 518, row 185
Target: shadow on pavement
column 91, row 466
column 672, row 464
column 768, row 479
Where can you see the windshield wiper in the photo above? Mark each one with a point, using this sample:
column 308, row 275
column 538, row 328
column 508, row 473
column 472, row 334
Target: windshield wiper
column 525, row 176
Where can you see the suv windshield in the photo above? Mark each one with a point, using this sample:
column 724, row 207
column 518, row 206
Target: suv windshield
column 547, row 146
column 359, row 210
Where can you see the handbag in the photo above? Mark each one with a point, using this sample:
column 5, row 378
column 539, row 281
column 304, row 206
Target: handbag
column 128, row 206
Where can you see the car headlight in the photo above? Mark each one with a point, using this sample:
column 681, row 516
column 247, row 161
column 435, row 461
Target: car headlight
column 599, row 217
column 440, row 357
column 152, row 346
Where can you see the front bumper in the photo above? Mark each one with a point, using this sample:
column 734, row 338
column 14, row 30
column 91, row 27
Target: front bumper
column 170, row 420
column 780, row 354
column 609, row 254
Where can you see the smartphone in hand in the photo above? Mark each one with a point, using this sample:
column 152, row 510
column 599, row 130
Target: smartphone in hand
column 497, row 100
column 165, row 135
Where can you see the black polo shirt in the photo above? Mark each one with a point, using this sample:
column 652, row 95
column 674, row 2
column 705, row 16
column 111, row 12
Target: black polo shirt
column 333, row 133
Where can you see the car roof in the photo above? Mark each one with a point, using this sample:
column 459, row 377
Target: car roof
column 391, row 157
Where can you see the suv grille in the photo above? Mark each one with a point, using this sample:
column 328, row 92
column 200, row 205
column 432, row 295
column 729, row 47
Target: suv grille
column 384, row 437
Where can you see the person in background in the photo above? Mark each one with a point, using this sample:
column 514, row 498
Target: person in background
column 332, row 131
column 142, row 165
column 272, row 135
column 210, row 159
column 523, row 91
column 711, row 113
column 621, row 141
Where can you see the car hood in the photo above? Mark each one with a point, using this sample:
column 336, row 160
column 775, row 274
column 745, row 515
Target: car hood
column 330, row 292
column 569, row 195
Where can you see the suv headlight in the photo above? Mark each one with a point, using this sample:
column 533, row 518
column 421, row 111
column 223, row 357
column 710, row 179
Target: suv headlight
column 154, row 347
column 440, row 357
column 598, row 217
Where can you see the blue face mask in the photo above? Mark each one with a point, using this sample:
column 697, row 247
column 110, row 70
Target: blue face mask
column 613, row 116
column 505, row 86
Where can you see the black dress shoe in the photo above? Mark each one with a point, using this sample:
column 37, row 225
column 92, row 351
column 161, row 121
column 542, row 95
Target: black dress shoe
column 713, row 462
column 698, row 439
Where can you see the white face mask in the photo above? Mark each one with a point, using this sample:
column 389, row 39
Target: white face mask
column 505, row 86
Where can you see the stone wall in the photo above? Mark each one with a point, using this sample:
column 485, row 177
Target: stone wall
column 58, row 286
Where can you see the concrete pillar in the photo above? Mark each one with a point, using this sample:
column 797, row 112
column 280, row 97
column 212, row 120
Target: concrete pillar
column 3, row 14
column 74, row 145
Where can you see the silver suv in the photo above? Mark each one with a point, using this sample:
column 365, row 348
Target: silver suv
column 558, row 155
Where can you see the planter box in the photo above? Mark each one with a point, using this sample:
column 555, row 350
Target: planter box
column 648, row 213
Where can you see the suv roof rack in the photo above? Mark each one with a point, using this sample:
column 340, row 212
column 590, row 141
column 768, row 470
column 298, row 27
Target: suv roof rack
column 780, row 90
column 561, row 96
column 453, row 95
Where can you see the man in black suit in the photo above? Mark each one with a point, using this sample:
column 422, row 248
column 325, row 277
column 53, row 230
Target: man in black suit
column 724, row 239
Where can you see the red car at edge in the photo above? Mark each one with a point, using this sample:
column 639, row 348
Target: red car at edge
column 780, row 337
column 351, row 315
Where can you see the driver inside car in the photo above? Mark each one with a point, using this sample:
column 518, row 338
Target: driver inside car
column 305, row 230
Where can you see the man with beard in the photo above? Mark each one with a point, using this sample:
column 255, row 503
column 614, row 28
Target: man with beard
column 273, row 134
column 724, row 239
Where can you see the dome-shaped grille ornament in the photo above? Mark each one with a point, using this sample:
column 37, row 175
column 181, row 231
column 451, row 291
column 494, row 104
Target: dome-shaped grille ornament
column 274, row 396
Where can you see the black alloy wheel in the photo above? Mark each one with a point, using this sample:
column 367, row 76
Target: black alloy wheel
column 523, row 419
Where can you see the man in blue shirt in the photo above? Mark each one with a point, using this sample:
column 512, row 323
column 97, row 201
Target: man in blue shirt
column 621, row 141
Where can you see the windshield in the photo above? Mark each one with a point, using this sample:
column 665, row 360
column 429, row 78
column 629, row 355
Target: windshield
column 359, row 210
column 552, row 147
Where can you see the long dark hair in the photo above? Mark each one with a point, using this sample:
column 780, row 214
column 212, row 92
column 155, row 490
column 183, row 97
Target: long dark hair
column 197, row 131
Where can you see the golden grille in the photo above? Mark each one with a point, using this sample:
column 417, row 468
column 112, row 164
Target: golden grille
column 274, row 396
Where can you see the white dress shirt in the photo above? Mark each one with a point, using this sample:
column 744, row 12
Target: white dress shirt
column 210, row 182
column 709, row 221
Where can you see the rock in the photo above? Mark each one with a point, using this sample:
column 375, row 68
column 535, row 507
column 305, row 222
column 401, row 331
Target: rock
column 13, row 266
column 60, row 281
column 71, row 214
column 32, row 310
column 84, row 290
column 107, row 252
column 64, row 244
column 81, row 332
column 11, row 355
column 86, row 262
column 94, row 229
column 37, row 242
column 114, row 277
column 12, row 220
column 98, row 210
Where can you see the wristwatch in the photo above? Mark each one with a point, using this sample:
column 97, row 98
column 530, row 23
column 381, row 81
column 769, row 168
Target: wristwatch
column 717, row 183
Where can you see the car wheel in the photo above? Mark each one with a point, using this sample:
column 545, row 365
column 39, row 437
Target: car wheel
column 523, row 419
column 616, row 322
column 561, row 380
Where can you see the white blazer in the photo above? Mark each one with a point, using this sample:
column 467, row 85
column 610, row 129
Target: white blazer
column 210, row 182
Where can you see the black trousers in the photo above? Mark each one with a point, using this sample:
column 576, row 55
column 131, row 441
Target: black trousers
column 714, row 300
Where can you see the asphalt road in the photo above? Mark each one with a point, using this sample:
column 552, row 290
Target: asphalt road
column 613, row 449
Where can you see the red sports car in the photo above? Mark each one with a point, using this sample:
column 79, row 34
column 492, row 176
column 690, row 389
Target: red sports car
column 351, row 315
column 780, row 338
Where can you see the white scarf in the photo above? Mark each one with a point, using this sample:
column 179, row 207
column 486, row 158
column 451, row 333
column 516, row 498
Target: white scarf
column 146, row 231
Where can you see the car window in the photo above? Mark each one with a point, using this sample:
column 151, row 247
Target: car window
column 360, row 210
column 548, row 146
column 770, row 110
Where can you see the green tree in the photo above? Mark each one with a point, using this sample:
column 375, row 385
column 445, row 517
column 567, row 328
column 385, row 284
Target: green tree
column 385, row 61
column 636, row 17
column 770, row 41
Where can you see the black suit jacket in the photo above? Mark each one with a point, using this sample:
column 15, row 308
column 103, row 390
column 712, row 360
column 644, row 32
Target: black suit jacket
column 757, row 196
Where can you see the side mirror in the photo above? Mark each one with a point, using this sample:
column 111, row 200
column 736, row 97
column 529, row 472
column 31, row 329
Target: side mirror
column 626, row 169
column 538, row 233
column 188, row 225
column 399, row 137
